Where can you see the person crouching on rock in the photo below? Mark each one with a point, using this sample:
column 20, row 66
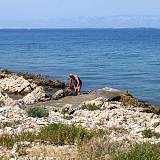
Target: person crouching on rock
column 76, row 81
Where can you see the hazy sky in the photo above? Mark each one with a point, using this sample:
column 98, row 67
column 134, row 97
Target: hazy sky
column 52, row 9
column 43, row 9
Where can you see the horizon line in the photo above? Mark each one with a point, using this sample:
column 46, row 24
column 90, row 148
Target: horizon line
column 50, row 28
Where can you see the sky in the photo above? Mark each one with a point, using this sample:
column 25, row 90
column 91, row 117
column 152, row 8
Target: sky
column 32, row 13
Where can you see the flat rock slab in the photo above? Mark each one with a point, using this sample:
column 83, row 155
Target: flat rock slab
column 109, row 93
column 74, row 100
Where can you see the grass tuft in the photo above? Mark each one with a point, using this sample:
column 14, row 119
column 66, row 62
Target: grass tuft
column 38, row 112
column 67, row 117
column 58, row 134
column 9, row 124
column 91, row 107
column 144, row 151
column 148, row 133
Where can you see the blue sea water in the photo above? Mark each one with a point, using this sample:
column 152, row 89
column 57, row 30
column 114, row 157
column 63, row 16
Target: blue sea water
column 127, row 59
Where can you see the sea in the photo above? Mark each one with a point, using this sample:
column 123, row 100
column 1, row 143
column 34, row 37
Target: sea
column 126, row 59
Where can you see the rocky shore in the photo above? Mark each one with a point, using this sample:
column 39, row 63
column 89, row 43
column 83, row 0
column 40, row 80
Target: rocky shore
column 123, row 118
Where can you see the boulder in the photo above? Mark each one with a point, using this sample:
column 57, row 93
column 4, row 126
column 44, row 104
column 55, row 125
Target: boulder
column 15, row 84
column 37, row 95
column 110, row 93
column 59, row 94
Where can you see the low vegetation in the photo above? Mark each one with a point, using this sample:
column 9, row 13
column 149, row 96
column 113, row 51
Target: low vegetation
column 148, row 133
column 145, row 151
column 129, row 100
column 3, row 158
column 90, row 143
column 91, row 107
column 57, row 134
column 67, row 117
column 38, row 112
column 102, row 150
column 1, row 103
column 9, row 124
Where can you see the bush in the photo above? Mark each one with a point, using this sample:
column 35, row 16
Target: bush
column 91, row 107
column 38, row 112
column 58, row 134
column 144, row 151
column 148, row 133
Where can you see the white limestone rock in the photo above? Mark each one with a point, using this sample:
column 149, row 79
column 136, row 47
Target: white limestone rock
column 5, row 99
column 157, row 129
column 16, row 84
column 37, row 95
column 59, row 94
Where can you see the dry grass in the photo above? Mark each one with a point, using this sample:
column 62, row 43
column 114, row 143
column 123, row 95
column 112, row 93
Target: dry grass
column 54, row 152
column 93, row 149
column 9, row 124
column 91, row 107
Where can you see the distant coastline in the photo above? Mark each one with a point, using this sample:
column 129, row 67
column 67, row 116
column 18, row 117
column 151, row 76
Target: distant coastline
column 128, row 28
column 113, row 21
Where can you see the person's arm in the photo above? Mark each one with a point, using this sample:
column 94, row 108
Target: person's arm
column 78, row 82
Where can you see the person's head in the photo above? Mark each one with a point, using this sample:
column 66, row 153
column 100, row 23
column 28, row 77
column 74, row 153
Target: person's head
column 71, row 75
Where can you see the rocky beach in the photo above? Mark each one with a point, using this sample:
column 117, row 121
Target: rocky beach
column 108, row 117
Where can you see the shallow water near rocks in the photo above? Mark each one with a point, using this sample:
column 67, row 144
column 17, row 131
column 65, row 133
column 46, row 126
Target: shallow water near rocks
column 126, row 59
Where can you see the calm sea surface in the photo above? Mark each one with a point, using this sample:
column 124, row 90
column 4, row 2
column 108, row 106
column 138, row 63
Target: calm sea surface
column 127, row 59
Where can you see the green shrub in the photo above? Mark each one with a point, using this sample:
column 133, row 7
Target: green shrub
column 100, row 149
column 144, row 151
column 61, row 134
column 148, row 133
column 38, row 112
column 3, row 158
column 91, row 107
column 58, row 134
column 7, row 141
column 157, row 135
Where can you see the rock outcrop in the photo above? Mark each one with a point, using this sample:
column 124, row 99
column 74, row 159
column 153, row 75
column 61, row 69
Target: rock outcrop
column 15, row 84
column 109, row 93
column 122, row 123
column 41, row 80
column 32, row 88
column 37, row 95
column 117, row 112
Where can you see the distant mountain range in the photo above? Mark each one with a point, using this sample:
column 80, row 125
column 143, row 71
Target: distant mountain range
column 86, row 22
